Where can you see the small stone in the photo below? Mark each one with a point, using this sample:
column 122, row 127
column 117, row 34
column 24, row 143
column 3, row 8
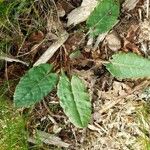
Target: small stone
column 113, row 41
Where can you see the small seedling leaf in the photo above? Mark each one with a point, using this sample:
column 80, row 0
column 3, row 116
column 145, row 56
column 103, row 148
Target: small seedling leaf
column 74, row 100
column 129, row 65
column 104, row 16
column 34, row 85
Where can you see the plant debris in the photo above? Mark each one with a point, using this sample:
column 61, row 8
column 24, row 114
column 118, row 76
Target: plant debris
column 55, row 32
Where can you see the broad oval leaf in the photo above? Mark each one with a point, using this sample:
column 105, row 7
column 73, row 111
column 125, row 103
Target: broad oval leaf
column 104, row 16
column 34, row 85
column 74, row 100
column 129, row 65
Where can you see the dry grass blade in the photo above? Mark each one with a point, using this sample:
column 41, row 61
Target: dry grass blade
column 52, row 49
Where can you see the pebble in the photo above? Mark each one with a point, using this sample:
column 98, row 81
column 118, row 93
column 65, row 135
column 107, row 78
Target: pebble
column 113, row 41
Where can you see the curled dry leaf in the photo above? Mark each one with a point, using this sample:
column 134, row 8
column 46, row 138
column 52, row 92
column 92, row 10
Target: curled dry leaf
column 81, row 13
column 60, row 10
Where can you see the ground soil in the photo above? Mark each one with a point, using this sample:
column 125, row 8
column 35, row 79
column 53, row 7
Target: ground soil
column 115, row 107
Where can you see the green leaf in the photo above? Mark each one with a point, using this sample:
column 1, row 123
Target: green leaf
column 74, row 100
column 104, row 16
column 35, row 84
column 129, row 65
column 75, row 54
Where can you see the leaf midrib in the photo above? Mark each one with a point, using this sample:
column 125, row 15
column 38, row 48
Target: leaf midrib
column 76, row 105
column 129, row 66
